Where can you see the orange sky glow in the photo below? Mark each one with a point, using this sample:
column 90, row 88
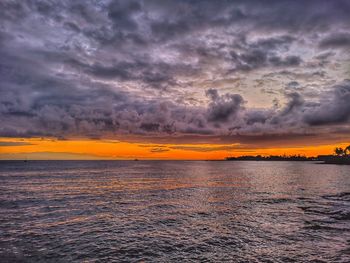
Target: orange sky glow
column 46, row 149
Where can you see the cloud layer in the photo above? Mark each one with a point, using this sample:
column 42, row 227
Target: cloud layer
column 234, row 71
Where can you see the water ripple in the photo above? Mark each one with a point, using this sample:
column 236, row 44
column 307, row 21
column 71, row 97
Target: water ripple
column 174, row 211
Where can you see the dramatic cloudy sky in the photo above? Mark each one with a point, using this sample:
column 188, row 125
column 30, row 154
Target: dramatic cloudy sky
column 221, row 73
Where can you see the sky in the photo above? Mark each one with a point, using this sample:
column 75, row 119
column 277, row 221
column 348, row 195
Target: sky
column 161, row 79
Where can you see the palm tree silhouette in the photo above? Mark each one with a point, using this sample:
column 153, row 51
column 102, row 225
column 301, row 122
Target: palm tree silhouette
column 347, row 151
column 342, row 152
column 339, row 151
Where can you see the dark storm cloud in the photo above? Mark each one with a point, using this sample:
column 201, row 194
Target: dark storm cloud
column 333, row 108
column 121, row 13
column 264, row 53
column 187, row 16
column 293, row 84
column 221, row 108
column 339, row 40
column 224, row 114
column 151, row 127
column 129, row 68
column 255, row 59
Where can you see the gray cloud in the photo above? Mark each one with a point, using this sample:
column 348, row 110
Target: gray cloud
column 9, row 144
column 338, row 40
column 333, row 108
column 221, row 108
column 263, row 53
column 159, row 150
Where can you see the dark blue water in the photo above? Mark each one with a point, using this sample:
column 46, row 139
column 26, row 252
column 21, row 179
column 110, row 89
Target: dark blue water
column 166, row 211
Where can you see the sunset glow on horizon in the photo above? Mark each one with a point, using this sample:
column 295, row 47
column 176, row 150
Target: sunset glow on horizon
column 48, row 149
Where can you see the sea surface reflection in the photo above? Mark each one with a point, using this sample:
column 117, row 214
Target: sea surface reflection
column 164, row 211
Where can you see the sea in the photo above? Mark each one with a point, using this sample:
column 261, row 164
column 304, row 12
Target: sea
column 174, row 211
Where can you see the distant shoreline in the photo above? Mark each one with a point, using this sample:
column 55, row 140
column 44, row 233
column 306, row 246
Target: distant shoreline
column 323, row 159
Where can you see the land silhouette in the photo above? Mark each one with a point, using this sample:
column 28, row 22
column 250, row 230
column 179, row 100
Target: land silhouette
column 340, row 156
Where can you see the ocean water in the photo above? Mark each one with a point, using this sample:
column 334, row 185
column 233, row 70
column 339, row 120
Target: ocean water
column 174, row 211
